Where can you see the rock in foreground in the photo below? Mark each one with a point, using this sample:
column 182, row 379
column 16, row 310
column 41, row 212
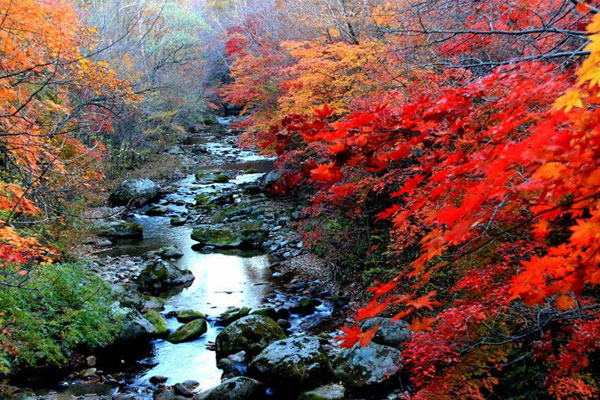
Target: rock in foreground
column 239, row 388
column 371, row 367
column 290, row 364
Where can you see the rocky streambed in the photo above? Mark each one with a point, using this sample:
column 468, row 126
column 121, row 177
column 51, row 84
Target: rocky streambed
column 220, row 298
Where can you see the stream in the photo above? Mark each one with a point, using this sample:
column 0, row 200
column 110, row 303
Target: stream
column 223, row 279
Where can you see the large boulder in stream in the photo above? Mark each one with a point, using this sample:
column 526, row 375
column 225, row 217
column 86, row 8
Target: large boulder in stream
column 291, row 364
column 251, row 334
column 134, row 192
column 242, row 236
column 390, row 333
column 161, row 275
column 368, row 368
column 239, row 388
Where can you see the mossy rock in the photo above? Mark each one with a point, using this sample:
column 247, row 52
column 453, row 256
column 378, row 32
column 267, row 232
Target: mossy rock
column 121, row 230
column 189, row 331
column 156, row 211
column 291, row 364
column 306, row 306
column 251, row 171
column 178, row 221
column 265, row 312
column 251, row 334
column 220, row 178
column 233, row 314
column 243, row 236
column 159, row 323
column 189, row 315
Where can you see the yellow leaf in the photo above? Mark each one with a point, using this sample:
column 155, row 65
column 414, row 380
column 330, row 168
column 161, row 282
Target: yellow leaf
column 573, row 98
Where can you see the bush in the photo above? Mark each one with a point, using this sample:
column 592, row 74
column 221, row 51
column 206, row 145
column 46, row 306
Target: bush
column 59, row 309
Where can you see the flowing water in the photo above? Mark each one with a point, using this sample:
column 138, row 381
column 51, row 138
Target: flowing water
column 222, row 279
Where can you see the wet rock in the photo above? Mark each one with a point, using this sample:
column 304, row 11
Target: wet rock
column 134, row 191
column 284, row 323
column 189, row 315
column 266, row 312
column 233, row 314
column 90, row 361
column 228, row 366
column 156, row 379
column 389, row 333
column 118, row 229
column 238, row 357
column 161, row 275
column 170, row 252
column 182, row 390
column 251, row 189
column 190, row 331
column 190, row 384
column 220, row 178
column 372, row 367
column 294, row 363
column 244, row 236
column 156, row 211
column 251, row 333
column 305, row 307
column 327, row 392
column 104, row 243
column 159, row 323
column 239, row 388
column 178, row 221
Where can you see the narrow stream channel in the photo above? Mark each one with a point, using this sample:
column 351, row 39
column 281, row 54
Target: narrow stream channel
column 222, row 279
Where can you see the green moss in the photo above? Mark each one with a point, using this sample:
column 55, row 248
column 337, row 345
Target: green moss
column 221, row 178
column 189, row 315
column 189, row 331
column 157, row 321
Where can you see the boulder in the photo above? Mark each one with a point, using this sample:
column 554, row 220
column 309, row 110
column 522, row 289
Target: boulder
column 161, row 275
column 156, row 211
column 170, row 252
column 221, row 178
column 189, row 315
column 243, row 236
column 166, row 394
column 134, row 192
column 129, row 295
column 251, row 333
column 389, row 333
column 368, row 368
column 189, row 331
column 118, row 229
column 233, row 314
column 135, row 326
column 178, row 221
column 294, row 363
column 327, row 392
column 238, row 388
column 159, row 323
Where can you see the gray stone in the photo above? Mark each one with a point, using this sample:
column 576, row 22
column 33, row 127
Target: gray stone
column 239, row 388
column 372, row 367
column 182, row 390
column 135, row 326
column 170, row 252
column 328, row 392
column 271, row 178
column 389, row 333
column 293, row 363
column 251, row 333
column 156, row 379
column 90, row 361
column 86, row 373
column 161, row 275
column 134, row 191
column 156, row 211
column 166, row 394
column 306, row 306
